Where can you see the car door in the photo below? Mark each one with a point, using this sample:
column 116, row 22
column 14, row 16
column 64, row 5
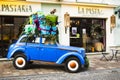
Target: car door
column 32, row 48
column 32, row 51
column 48, row 52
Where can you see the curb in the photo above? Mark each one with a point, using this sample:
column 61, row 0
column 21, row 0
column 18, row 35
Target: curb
column 94, row 53
column 4, row 59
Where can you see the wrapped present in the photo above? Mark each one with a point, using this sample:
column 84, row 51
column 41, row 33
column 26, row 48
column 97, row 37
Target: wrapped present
column 45, row 30
column 51, row 19
column 32, row 18
column 29, row 29
column 36, row 21
column 54, row 30
column 48, row 30
column 40, row 14
column 41, row 17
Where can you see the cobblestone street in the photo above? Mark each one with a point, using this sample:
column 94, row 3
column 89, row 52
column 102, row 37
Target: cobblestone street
column 109, row 74
column 37, row 68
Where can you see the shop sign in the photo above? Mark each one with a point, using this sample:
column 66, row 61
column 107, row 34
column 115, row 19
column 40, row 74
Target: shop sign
column 89, row 11
column 15, row 8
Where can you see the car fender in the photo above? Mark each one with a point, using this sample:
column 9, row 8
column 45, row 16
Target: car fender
column 63, row 57
column 12, row 52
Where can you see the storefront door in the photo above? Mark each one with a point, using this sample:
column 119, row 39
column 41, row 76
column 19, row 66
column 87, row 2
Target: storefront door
column 86, row 32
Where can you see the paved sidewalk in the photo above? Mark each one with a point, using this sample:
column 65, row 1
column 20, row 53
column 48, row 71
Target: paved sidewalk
column 7, row 69
column 97, row 64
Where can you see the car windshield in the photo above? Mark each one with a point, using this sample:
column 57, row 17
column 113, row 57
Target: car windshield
column 24, row 39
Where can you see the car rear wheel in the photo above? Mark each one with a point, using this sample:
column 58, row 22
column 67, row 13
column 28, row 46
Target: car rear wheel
column 20, row 61
column 72, row 65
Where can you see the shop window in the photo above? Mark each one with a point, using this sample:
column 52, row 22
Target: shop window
column 96, row 34
column 85, row 32
column 8, row 21
column 10, row 27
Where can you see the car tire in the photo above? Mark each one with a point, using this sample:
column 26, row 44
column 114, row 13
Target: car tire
column 72, row 65
column 20, row 61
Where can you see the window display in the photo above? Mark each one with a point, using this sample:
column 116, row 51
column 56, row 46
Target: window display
column 90, row 31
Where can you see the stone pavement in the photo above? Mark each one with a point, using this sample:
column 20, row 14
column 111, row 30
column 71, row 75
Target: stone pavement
column 7, row 69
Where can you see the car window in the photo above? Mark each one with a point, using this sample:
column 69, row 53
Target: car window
column 36, row 40
column 33, row 39
column 30, row 39
column 23, row 39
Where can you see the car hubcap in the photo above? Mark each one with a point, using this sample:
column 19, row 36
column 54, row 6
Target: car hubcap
column 73, row 65
column 20, row 62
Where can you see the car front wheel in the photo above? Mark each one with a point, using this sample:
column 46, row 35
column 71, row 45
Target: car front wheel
column 72, row 65
column 20, row 61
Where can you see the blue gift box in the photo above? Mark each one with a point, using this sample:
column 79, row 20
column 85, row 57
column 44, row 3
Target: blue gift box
column 45, row 30
column 54, row 30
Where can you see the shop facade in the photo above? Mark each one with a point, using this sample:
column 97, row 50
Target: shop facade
column 13, row 16
column 89, row 23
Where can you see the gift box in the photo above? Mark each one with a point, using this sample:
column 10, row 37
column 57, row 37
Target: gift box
column 54, row 30
column 51, row 20
column 29, row 29
column 45, row 30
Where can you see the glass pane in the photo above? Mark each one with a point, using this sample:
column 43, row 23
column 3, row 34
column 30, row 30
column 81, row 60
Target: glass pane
column 19, row 23
column 7, row 27
column 85, row 32
column 0, row 28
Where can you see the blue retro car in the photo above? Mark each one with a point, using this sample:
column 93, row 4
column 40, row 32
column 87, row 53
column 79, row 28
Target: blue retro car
column 28, row 49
